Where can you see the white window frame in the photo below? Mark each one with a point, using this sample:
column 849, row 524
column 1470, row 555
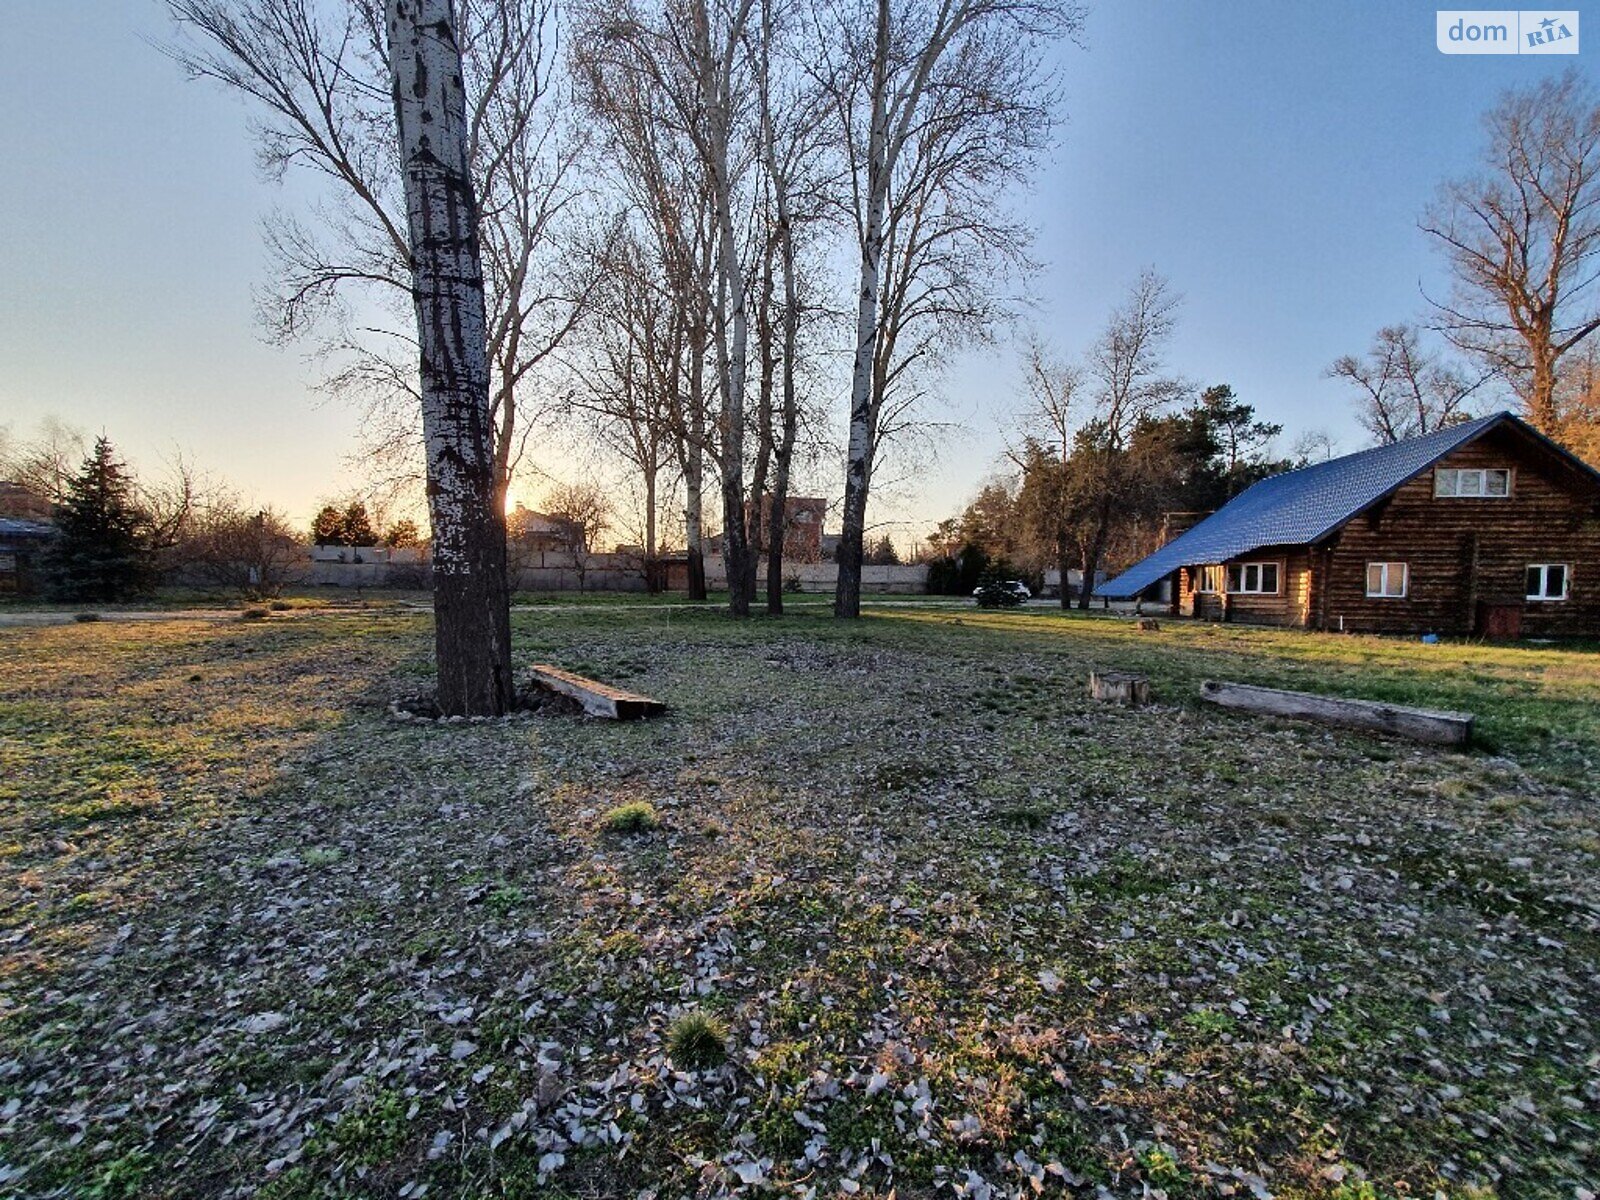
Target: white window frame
column 1386, row 571
column 1202, row 574
column 1259, row 566
column 1447, row 483
column 1544, row 582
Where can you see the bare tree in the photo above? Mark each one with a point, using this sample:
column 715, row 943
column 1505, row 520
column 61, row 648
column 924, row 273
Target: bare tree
column 939, row 104
column 684, row 66
column 627, row 381
column 1313, row 446
column 663, row 177
column 798, row 178
column 1404, row 389
column 1126, row 373
column 320, row 76
column 226, row 545
column 586, row 508
column 1055, row 395
column 1523, row 240
column 46, row 463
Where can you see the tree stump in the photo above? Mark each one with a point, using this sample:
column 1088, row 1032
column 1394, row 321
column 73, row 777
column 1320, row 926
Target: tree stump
column 1119, row 687
column 1147, row 625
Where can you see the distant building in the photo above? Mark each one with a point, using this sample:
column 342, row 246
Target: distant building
column 22, row 546
column 537, row 531
column 22, row 503
column 803, row 539
column 1486, row 527
column 802, row 526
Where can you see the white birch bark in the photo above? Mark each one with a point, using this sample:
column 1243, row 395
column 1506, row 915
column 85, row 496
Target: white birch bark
column 471, row 610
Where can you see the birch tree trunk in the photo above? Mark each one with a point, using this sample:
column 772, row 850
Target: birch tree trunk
column 694, row 519
column 472, row 619
column 858, row 461
column 783, row 453
column 714, row 68
column 780, row 244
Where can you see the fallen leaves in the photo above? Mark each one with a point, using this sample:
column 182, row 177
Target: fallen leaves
column 966, row 935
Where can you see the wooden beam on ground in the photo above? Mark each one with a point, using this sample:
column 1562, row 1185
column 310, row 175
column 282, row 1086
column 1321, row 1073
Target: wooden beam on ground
column 598, row 699
column 1419, row 724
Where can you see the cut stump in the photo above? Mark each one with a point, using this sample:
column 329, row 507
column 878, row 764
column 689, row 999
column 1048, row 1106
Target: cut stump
column 598, row 699
column 1419, row 724
column 1119, row 687
column 1147, row 625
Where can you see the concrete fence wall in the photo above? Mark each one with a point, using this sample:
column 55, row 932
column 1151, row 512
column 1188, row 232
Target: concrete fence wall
column 562, row 571
column 822, row 577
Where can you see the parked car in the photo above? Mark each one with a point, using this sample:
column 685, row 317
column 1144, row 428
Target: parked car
column 1001, row 593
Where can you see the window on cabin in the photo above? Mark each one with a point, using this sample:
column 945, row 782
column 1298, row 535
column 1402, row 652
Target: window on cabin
column 1254, row 579
column 1387, row 580
column 1208, row 580
column 1548, row 581
column 1472, row 483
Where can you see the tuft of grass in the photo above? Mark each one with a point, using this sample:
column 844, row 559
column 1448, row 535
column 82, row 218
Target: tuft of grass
column 697, row 1041
column 1023, row 816
column 280, row 606
column 637, row 817
column 253, row 614
column 85, row 618
column 505, row 899
column 321, row 856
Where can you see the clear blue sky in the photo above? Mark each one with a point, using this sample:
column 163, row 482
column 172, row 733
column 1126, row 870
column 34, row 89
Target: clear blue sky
column 1271, row 159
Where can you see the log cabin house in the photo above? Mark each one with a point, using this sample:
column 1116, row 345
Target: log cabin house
column 1485, row 527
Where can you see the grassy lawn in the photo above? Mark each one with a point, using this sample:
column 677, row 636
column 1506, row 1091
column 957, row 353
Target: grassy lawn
column 961, row 931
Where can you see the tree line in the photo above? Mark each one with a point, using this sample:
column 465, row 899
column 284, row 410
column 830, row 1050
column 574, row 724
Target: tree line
column 118, row 537
column 659, row 212
column 1103, row 456
column 686, row 209
column 1110, row 442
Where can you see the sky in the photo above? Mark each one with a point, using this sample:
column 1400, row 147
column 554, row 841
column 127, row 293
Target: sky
column 1270, row 159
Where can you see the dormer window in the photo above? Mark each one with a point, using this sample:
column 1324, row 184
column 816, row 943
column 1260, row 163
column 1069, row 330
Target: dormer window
column 1473, row 483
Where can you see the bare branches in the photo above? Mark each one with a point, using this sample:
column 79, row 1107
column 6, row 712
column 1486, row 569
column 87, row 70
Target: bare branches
column 1404, row 389
column 1523, row 240
column 938, row 106
column 1126, row 367
column 318, row 76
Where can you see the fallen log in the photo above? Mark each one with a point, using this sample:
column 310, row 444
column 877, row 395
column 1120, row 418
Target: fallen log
column 1419, row 724
column 1119, row 687
column 598, row 699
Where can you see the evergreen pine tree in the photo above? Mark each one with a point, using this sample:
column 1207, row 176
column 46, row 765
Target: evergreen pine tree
column 103, row 551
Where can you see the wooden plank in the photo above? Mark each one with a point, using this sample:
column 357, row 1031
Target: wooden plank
column 598, row 699
column 1419, row 724
column 1119, row 687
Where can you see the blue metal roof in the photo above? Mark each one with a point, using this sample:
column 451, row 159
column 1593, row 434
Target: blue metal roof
column 1298, row 507
column 11, row 527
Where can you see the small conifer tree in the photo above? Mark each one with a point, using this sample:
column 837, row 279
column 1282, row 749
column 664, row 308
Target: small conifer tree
column 103, row 551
